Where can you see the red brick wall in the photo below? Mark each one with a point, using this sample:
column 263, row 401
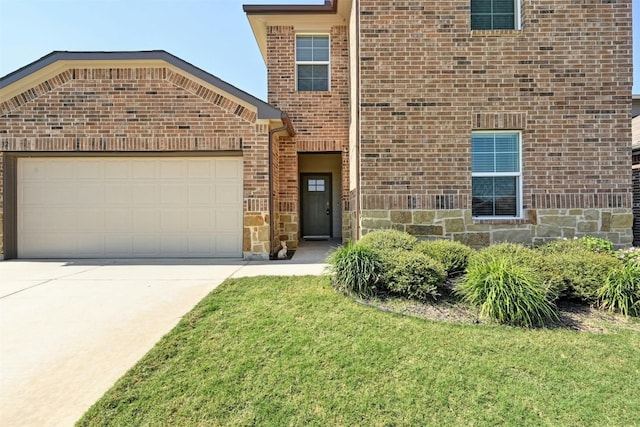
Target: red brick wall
column 136, row 110
column 321, row 119
column 427, row 81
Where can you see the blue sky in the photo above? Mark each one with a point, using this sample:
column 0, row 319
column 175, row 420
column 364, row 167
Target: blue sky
column 211, row 34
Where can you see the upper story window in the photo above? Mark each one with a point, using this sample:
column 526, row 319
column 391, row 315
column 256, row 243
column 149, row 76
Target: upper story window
column 496, row 174
column 312, row 62
column 495, row 14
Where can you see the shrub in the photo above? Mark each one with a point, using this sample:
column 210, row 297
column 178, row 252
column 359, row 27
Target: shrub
column 621, row 290
column 560, row 246
column 412, row 274
column 596, row 244
column 506, row 291
column 578, row 273
column 629, row 256
column 593, row 244
column 356, row 270
column 454, row 256
column 387, row 240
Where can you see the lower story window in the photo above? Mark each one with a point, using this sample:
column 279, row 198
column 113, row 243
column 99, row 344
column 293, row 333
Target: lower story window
column 496, row 174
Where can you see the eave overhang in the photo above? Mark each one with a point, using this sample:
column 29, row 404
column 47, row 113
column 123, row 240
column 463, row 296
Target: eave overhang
column 301, row 17
column 56, row 62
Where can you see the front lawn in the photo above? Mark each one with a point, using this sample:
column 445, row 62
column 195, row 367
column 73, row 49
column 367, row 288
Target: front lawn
column 291, row 351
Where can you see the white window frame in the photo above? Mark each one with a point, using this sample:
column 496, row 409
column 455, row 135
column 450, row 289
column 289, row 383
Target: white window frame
column 327, row 63
column 518, row 175
column 517, row 24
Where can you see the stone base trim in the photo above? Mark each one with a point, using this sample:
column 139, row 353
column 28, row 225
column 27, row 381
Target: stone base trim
column 255, row 239
column 541, row 226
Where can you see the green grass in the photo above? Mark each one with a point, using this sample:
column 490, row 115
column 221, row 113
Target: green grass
column 291, row 351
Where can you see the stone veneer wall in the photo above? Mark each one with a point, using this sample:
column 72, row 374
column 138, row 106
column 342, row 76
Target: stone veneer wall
column 541, row 225
column 636, row 203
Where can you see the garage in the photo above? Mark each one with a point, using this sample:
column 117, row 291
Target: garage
column 122, row 207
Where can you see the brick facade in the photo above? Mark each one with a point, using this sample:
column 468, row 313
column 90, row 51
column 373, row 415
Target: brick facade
column 409, row 83
column 427, row 81
column 141, row 110
column 321, row 119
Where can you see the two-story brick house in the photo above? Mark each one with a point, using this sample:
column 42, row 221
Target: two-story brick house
column 479, row 121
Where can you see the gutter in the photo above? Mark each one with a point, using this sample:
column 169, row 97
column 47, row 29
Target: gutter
column 289, row 128
column 329, row 6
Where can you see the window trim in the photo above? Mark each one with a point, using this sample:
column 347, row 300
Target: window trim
column 517, row 24
column 519, row 186
column 327, row 63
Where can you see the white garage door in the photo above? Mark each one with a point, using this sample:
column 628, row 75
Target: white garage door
column 129, row 207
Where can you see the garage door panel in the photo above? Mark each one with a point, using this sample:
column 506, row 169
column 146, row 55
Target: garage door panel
column 145, row 169
column 200, row 245
column 173, row 245
column 118, row 194
column 173, row 220
column 200, row 194
column 62, row 242
column 146, row 245
column 91, row 244
column 90, row 220
column 228, row 194
column 117, row 169
column 118, row 221
column 200, row 169
column 65, row 173
column 200, row 220
column 226, row 245
column 146, row 220
column 172, row 169
column 90, row 193
column 124, row 207
column 34, row 221
column 34, row 171
column 90, row 170
column 146, row 193
column 228, row 168
column 36, row 194
column 118, row 245
column 63, row 219
column 172, row 193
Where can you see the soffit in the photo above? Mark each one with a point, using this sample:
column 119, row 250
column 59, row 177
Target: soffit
column 304, row 18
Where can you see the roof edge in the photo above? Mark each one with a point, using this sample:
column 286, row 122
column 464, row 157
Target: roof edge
column 329, row 6
column 264, row 110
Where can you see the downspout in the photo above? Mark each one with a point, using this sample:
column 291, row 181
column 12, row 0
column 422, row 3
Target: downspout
column 286, row 126
column 357, row 195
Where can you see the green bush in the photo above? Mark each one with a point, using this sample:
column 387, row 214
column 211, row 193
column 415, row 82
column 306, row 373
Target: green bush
column 621, row 290
column 355, row 270
column 412, row 274
column 590, row 243
column 560, row 246
column 629, row 255
column 454, row 256
column 505, row 290
column 577, row 274
column 596, row 244
column 387, row 240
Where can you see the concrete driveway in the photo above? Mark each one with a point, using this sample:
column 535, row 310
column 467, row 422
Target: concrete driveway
column 70, row 329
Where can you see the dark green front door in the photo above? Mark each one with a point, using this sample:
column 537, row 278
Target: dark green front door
column 316, row 205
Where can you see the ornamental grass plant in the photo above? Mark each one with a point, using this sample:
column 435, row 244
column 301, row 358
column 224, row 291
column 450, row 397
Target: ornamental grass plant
column 506, row 291
column 355, row 270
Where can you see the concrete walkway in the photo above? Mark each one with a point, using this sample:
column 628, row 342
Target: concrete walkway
column 70, row 329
